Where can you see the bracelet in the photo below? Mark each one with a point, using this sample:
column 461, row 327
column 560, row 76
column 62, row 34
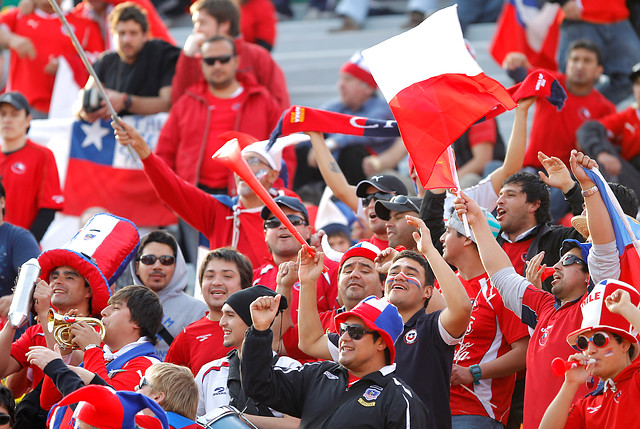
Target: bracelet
column 127, row 102
column 590, row 191
column 91, row 346
column 476, row 371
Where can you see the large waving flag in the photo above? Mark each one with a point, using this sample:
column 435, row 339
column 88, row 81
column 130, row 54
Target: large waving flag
column 434, row 87
column 525, row 27
column 626, row 229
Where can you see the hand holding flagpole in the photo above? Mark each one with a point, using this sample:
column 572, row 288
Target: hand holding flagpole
column 87, row 65
column 452, row 163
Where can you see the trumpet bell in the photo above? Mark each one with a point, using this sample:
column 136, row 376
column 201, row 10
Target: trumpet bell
column 60, row 327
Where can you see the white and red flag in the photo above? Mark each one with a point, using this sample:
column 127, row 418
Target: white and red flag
column 434, row 87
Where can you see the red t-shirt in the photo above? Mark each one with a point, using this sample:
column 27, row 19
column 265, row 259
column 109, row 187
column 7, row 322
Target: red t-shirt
column 610, row 409
column 197, row 344
column 381, row 244
column 31, row 182
column 258, row 21
column 554, row 133
column 490, row 332
column 605, row 12
column 327, row 286
column 483, row 132
column 290, row 337
column 50, row 40
column 623, row 129
column 33, row 336
column 517, row 253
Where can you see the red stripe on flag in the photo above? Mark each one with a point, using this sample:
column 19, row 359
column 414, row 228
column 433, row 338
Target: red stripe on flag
column 433, row 113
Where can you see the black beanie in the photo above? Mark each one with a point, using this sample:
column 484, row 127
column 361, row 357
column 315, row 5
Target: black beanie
column 241, row 301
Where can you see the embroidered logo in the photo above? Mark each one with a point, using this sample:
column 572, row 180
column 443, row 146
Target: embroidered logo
column 18, row 168
column 372, row 393
column 617, row 397
column 202, row 338
column 218, row 391
column 330, row 376
column 541, row 82
column 592, row 410
column 411, row 336
column 365, row 403
column 545, row 335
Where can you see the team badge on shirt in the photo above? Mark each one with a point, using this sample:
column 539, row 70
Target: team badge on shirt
column 411, row 336
column 18, row 168
column 372, row 393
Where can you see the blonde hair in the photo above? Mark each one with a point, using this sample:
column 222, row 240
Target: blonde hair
column 178, row 385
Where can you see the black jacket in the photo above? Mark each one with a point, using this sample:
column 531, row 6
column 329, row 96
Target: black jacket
column 317, row 393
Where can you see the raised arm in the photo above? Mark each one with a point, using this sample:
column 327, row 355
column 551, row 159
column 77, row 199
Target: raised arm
column 331, row 172
column 516, row 147
column 454, row 318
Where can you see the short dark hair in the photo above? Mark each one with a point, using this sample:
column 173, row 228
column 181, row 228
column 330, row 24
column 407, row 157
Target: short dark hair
column 626, row 197
column 128, row 11
column 224, row 39
column 535, row 190
column 158, row 236
column 589, row 46
column 2, row 191
column 222, row 11
column 144, row 307
column 7, row 401
column 230, row 255
column 619, row 340
column 429, row 278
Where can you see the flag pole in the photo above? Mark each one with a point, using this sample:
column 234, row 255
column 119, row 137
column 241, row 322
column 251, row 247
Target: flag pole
column 88, row 66
column 452, row 163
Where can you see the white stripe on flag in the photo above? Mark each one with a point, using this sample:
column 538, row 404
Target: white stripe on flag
column 420, row 54
column 101, row 229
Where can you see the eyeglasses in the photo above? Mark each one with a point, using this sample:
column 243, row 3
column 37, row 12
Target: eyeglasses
column 570, row 259
column 4, row 419
column 223, row 59
column 274, row 222
column 151, row 259
column 599, row 339
column 143, row 382
column 356, row 332
column 384, row 196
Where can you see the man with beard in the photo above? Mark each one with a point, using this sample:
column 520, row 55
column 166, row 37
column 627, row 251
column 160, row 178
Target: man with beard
column 395, row 213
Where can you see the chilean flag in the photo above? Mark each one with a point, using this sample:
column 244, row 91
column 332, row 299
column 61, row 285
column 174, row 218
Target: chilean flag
column 626, row 229
column 434, row 87
column 525, row 27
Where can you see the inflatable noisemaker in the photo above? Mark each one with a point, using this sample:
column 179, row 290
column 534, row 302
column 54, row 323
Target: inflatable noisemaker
column 231, row 157
column 100, row 252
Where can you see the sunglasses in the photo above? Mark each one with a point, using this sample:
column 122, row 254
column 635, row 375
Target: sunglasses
column 599, row 339
column 143, row 382
column 384, row 196
column 356, row 332
column 223, row 59
column 256, row 161
column 274, row 222
column 4, row 419
column 151, row 259
column 570, row 259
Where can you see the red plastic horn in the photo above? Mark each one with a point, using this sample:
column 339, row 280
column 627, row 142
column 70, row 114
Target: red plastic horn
column 230, row 155
column 548, row 272
column 559, row 366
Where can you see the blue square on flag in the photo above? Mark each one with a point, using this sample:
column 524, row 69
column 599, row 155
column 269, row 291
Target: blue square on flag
column 93, row 142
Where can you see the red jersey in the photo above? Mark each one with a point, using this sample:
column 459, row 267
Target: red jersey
column 327, row 286
column 491, row 330
column 258, row 21
column 551, row 325
column 604, row 12
column 33, row 336
column 554, row 133
column 610, row 409
column 623, row 130
column 380, row 244
column 47, row 34
column 31, row 182
column 197, row 344
column 517, row 253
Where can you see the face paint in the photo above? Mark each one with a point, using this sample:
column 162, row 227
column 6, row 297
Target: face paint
column 261, row 174
column 608, row 353
column 411, row 280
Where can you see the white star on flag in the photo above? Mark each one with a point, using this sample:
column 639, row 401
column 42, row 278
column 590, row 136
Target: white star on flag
column 94, row 134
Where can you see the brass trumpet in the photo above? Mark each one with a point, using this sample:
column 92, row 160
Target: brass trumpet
column 59, row 326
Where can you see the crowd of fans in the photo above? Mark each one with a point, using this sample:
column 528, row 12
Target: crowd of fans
column 404, row 309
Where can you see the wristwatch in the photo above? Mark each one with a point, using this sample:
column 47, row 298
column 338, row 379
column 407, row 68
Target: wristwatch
column 476, row 372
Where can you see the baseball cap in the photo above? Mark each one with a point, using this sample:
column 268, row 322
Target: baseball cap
column 241, row 301
column 357, row 67
column 364, row 249
column 383, row 182
column 597, row 317
column 455, row 223
column 291, row 202
column 399, row 203
column 17, row 100
column 379, row 315
column 635, row 72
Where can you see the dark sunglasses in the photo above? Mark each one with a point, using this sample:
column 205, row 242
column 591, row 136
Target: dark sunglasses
column 599, row 339
column 4, row 419
column 384, row 196
column 356, row 332
column 570, row 259
column 223, row 59
column 274, row 222
column 151, row 259
column 143, row 382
